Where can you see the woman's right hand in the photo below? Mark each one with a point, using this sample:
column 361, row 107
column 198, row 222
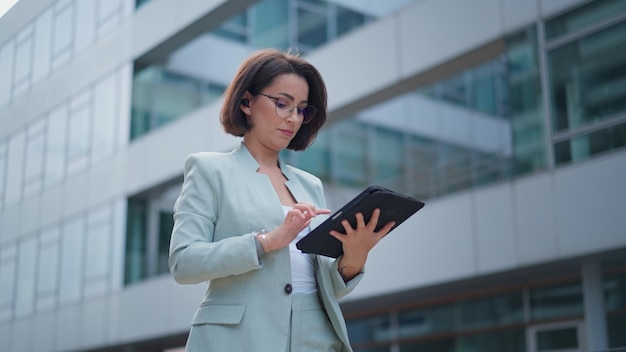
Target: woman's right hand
column 297, row 218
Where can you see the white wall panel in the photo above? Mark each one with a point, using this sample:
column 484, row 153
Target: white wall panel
column 6, row 332
column 63, row 22
column 7, row 54
column 30, row 215
column 591, row 205
column 124, row 93
column 48, row 272
column 105, row 108
column 10, row 223
column 3, row 171
column 8, row 277
column 79, row 132
column 26, row 272
column 372, row 64
column 85, row 28
column 66, row 328
column 72, row 239
column 44, row 324
column 495, row 235
column 435, row 245
column 56, row 145
column 518, row 14
column 52, row 199
column 15, row 169
column 42, row 58
column 549, row 8
column 23, row 61
column 75, row 194
column 22, row 339
column 427, row 40
column 96, row 313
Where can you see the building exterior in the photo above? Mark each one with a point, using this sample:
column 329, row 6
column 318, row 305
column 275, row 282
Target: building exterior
column 507, row 117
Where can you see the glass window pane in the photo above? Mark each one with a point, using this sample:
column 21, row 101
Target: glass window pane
column 615, row 292
column 616, row 325
column 556, row 302
column 556, row 339
column 312, row 28
column 582, row 147
column 584, row 16
column 588, row 79
column 166, row 224
column 498, row 341
column 316, row 158
column 388, row 158
column 271, row 24
column 442, row 345
column 371, row 329
column 525, row 102
column 491, row 311
column 136, row 241
column 347, row 20
column 349, row 153
column 427, row 321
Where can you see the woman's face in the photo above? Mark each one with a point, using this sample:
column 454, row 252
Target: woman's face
column 269, row 130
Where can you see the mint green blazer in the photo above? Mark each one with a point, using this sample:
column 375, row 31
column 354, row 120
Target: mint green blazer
column 223, row 202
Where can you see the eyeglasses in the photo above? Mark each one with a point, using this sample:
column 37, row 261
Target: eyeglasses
column 283, row 110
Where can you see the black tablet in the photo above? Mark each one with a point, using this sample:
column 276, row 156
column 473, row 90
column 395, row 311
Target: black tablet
column 393, row 207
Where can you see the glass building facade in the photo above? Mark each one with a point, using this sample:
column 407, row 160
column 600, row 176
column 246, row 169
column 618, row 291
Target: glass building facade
column 79, row 226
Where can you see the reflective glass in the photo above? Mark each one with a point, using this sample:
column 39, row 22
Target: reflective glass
column 497, row 341
column 349, row 159
column 317, row 156
column 557, row 339
column 166, row 224
column 271, row 24
column 616, row 325
column 594, row 12
column 371, row 329
column 588, row 79
column 556, row 301
column 582, row 147
column 388, row 158
column 312, row 28
column 347, row 20
column 135, row 268
column 427, row 321
column 525, row 102
column 615, row 292
column 491, row 311
column 71, row 268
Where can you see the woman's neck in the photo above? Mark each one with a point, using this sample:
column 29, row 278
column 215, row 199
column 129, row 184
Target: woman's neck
column 265, row 157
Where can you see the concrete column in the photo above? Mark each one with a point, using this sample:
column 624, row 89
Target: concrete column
column 593, row 299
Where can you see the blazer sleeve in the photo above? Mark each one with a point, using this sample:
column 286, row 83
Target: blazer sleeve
column 194, row 256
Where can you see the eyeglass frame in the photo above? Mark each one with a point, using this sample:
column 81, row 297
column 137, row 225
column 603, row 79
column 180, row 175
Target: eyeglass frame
column 299, row 111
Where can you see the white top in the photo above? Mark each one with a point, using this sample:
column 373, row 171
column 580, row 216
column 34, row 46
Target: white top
column 302, row 272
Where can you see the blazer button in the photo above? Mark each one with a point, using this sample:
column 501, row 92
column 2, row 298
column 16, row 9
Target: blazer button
column 288, row 288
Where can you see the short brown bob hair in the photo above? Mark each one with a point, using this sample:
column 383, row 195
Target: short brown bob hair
column 257, row 72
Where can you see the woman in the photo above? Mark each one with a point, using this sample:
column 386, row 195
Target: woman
column 264, row 294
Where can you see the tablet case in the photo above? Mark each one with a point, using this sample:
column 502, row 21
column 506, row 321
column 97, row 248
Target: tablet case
column 393, row 207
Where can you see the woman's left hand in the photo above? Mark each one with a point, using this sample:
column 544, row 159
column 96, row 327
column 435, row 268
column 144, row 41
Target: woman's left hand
column 357, row 242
